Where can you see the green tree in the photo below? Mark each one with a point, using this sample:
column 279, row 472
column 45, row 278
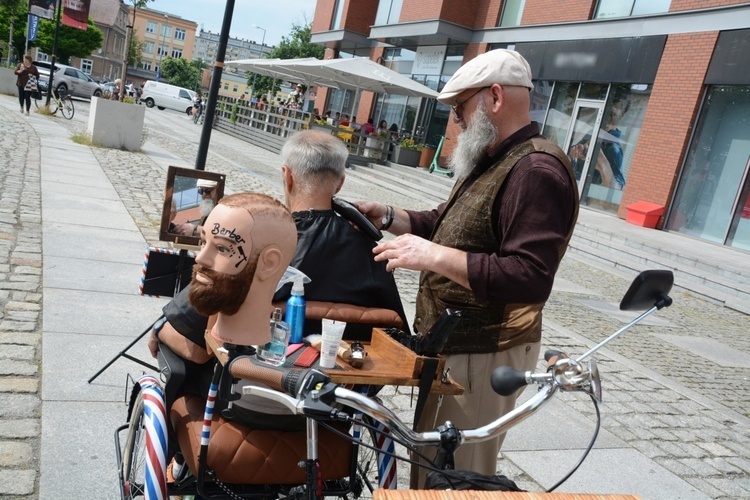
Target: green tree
column 295, row 45
column 135, row 52
column 71, row 42
column 183, row 73
column 14, row 10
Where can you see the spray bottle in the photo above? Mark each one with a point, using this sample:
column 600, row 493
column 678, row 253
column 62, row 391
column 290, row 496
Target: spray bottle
column 295, row 311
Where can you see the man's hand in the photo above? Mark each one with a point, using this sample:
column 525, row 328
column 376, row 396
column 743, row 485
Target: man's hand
column 153, row 344
column 418, row 254
column 373, row 210
column 185, row 229
column 407, row 251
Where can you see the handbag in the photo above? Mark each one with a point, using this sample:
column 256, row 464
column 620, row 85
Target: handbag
column 31, row 84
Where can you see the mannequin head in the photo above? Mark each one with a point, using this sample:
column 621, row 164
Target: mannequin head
column 247, row 243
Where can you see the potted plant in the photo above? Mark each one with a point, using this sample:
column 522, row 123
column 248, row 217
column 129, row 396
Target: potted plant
column 407, row 152
column 374, row 145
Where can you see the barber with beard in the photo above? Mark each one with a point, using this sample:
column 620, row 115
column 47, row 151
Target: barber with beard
column 492, row 250
column 207, row 192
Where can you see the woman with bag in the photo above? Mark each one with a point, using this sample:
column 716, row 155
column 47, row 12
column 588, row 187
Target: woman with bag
column 26, row 82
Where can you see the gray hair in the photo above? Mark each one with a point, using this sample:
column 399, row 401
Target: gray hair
column 314, row 157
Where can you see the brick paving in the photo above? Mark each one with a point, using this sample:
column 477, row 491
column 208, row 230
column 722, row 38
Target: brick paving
column 684, row 411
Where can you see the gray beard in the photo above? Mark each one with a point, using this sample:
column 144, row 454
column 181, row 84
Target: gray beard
column 473, row 142
column 205, row 206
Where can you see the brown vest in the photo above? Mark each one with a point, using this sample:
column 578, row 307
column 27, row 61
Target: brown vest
column 466, row 224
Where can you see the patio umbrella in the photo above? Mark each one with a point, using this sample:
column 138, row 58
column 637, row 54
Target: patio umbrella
column 358, row 73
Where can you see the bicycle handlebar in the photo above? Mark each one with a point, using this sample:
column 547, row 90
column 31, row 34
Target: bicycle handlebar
column 289, row 380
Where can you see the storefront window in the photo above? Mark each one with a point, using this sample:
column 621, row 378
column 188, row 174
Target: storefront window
column 561, row 105
column 711, row 201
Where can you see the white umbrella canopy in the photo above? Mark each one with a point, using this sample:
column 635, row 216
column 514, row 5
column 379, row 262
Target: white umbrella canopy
column 358, row 73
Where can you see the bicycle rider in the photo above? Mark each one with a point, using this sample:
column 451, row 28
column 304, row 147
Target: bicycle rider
column 197, row 104
column 495, row 246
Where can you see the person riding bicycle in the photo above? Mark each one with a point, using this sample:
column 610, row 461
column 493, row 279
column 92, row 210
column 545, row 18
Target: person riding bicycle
column 493, row 249
column 197, row 105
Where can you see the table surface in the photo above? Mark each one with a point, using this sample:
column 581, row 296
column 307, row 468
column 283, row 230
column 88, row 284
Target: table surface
column 387, row 363
column 381, row 494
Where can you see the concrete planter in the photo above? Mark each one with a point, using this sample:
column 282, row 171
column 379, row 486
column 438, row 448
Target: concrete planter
column 403, row 156
column 114, row 124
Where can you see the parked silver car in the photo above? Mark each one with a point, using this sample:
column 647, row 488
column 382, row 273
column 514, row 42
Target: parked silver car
column 69, row 79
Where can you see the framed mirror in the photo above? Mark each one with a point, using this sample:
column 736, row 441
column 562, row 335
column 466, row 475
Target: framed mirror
column 189, row 197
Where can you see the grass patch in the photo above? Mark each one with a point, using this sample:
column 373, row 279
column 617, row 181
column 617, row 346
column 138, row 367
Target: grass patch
column 83, row 138
column 44, row 110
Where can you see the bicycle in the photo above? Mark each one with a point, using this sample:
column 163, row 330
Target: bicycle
column 59, row 100
column 199, row 112
column 311, row 393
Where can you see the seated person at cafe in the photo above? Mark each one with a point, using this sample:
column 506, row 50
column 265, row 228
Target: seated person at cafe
column 335, row 255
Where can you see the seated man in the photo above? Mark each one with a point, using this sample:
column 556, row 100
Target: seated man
column 208, row 194
column 335, row 255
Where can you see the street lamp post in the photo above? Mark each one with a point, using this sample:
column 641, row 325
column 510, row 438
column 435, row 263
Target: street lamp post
column 261, row 55
column 163, row 41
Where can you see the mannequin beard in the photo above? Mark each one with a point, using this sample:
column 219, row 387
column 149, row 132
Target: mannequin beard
column 225, row 294
column 205, row 206
column 474, row 142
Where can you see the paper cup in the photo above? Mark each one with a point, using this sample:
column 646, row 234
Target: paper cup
column 333, row 331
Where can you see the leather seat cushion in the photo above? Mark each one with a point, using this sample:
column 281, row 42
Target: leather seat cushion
column 246, row 456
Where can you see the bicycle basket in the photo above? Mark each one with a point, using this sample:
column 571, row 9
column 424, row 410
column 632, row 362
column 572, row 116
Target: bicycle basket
column 468, row 480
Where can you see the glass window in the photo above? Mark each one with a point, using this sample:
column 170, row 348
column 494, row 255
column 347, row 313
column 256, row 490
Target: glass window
column 557, row 121
column 711, row 200
column 147, row 47
column 512, row 13
column 176, row 53
column 389, row 11
column 166, row 31
column 146, row 65
column 162, row 50
column 87, row 65
column 624, row 8
column 151, row 26
column 179, row 34
column 338, row 13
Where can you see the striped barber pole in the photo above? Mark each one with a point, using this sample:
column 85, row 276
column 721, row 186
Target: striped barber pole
column 208, row 414
column 155, row 424
column 387, row 478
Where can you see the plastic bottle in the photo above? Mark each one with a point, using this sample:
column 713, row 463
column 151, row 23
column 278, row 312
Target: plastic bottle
column 295, row 311
column 274, row 352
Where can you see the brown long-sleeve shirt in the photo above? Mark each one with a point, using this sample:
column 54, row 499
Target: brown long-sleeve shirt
column 532, row 214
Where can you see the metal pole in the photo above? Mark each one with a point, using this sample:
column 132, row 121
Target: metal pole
column 128, row 41
column 213, row 91
column 58, row 15
column 262, row 42
column 163, row 41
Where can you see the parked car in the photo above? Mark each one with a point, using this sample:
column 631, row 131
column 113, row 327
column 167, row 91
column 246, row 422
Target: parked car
column 164, row 95
column 68, row 79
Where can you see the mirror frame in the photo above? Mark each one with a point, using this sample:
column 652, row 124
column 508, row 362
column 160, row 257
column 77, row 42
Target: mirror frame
column 172, row 173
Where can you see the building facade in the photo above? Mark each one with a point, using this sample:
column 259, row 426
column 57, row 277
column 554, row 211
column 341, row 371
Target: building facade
column 207, row 44
column 162, row 35
column 106, row 63
column 650, row 97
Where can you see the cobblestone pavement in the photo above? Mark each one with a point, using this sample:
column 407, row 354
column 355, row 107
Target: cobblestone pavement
column 687, row 412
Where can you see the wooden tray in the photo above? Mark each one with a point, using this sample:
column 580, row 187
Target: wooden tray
column 390, row 363
column 382, row 494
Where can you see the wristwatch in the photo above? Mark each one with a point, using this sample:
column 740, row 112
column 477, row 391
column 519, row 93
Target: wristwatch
column 158, row 325
column 387, row 219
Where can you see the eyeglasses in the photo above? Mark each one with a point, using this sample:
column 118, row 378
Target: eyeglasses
column 205, row 190
column 456, row 107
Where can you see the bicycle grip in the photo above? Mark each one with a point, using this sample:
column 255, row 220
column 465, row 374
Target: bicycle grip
column 288, row 380
column 506, row 380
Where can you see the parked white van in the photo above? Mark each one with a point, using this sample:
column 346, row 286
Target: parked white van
column 164, row 95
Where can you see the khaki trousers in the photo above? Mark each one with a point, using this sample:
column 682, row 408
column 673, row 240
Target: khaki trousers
column 477, row 406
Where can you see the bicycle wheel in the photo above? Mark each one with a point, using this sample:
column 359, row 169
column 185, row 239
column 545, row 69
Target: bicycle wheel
column 367, row 459
column 134, row 453
column 136, row 476
column 66, row 108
